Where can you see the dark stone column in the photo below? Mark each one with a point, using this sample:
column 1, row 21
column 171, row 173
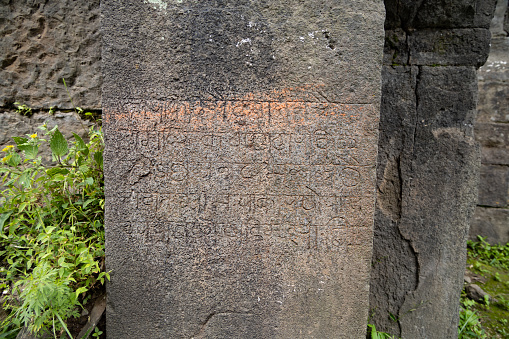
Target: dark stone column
column 428, row 163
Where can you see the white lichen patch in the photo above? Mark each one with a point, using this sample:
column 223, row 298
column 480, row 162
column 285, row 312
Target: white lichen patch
column 157, row 4
column 243, row 41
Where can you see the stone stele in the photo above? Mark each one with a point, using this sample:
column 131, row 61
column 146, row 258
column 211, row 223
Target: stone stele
column 241, row 143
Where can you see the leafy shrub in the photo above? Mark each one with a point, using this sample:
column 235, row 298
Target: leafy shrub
column 51, row 228
column 493, row 255
column 469, row 324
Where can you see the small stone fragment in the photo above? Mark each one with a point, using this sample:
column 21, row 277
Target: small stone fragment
column 476, row 293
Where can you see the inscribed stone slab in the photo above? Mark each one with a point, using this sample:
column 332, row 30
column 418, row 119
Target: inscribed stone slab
column 240, row 166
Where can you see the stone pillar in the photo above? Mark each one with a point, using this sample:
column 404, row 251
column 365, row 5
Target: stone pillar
column 241, row 142
column 428, row 163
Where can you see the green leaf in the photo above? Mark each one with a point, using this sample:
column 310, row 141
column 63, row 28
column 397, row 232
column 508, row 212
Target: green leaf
column 80, row 144
column 81, row 290
column 14, row 159
column 24, row 179
column 30, row 150
column 19, row 140
column 58, row 177
column 58, row 144
column 85, row 204
column 22, row 207
column 89, row 181
column 3, row 218
column 57, row 170
column 98, row 156
column 83, row 168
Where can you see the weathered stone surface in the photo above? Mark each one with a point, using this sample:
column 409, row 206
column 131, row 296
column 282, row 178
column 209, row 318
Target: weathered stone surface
column 45, row 41
column 438, row 14
column 476, row 293
column 492, row 130
column 394, row 260
column 497, row 23
column 449, row 47
column 427, row 156
column 490, row 223
column 495, row 156
column 494, row 186
column 493, row 103
column 492, row 134
column 437, row 47
column 240, row 167
column 454, row 14
column 94, row 318
column 427, row 164
column 396, row 51
column 506, row 21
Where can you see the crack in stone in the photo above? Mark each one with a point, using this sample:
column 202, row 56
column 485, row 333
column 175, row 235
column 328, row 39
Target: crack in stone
column 210, row 316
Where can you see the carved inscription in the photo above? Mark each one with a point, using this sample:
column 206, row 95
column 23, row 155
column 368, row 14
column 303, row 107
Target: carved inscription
column 291, row 174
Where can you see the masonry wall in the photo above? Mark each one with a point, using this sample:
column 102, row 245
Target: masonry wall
column 491, row 218
column 42, row 43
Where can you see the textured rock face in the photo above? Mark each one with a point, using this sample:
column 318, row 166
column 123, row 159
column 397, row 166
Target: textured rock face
column 491, row 218
column 240, row 167
column 45, row 41
column 428, row 163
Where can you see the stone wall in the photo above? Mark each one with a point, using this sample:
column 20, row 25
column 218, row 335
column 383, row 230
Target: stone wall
column 428, row 163
column 42, row 43
column 491, row 218
column 45, row 41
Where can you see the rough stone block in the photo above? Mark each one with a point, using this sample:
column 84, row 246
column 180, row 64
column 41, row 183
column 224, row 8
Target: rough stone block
column 506, row 21
column 449, row 47
column 494, row 186
column 454, row 13
column 45, row 41
column 493, row 104
column 439, row 14
column 240, row 167
column 495, row 156
column 395, row 48
column 491, row 223
column 492, row 135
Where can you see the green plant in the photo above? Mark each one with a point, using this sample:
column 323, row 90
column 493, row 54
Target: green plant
column 97, row 333
column 51, row 228
column 469, row 324
column 23, row 109
column 493, row 255
column 374, row 334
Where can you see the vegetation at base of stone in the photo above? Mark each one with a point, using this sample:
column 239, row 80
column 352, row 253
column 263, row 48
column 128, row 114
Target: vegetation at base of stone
column 374, row 334
column 469, row 324
column 493, row 255
column 51, row 230
column 484, row 309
